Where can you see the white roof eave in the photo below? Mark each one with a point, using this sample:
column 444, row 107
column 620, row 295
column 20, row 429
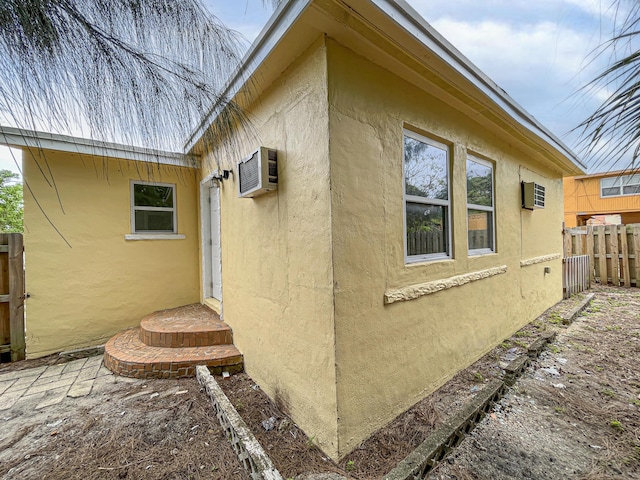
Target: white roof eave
column 30, row 139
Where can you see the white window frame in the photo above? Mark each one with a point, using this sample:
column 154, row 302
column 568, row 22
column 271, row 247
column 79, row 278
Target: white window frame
column 620, row 187
column 135, row 208
column 426, row 201
column 483, row 208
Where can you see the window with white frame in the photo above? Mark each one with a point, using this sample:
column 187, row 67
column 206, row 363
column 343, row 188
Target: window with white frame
column 426, row 196
column 153, row 207
column 620, row 185
column 480, row 206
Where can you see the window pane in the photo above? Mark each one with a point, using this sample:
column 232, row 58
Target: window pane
column 152, row 196
column 610, row 182
column 631, row 189
column 150, row 221
column 427, row 229
column 479, row 184
column 631, row 179
column 425, row 170
column 607, row 192
column 480, row 229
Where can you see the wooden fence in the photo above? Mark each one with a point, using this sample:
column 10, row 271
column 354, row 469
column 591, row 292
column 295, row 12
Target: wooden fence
column 433, row 241
column 576, row 277
column 12, row 294
column 613, row 251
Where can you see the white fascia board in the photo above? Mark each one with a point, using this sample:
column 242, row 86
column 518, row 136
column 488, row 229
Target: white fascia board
column 411, row 21
column 30, row 139
column 277, row 27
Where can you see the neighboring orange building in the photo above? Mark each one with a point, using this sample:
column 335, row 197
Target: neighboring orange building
column 602, row 194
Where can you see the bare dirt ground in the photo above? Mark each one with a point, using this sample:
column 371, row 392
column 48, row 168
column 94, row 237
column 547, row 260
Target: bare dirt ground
column 161, row 429
column 574, row 414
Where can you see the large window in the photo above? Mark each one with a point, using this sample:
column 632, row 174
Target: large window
column 153, row 207
column 480, row 210
column 620, row 185
column 426, row 193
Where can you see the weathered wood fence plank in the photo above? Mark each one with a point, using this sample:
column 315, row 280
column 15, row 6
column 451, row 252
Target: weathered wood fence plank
column 16, row 296
column 5, row 328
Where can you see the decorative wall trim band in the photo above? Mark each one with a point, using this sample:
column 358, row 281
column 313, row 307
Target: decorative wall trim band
column 542, row 259
column 419, row 290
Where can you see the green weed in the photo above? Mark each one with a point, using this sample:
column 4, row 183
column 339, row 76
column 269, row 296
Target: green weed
column 553, row 348
column 608, row 393
column 555, row 318
column 350, row 466
column 616, row 425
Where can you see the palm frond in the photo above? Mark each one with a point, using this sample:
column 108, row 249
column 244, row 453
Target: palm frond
column 612, row 131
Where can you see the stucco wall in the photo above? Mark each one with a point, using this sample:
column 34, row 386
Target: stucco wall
column 84, row 293
column 277, row 291
column 390, row 356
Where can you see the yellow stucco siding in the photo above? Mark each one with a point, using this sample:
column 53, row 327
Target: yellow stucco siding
column 277, row 283
column 390, row 356
column 84, row 293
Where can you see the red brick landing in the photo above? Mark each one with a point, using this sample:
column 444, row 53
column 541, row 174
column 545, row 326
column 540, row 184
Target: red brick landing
column 170, row 343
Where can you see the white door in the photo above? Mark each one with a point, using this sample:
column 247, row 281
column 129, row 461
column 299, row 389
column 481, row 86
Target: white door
column 216, row 265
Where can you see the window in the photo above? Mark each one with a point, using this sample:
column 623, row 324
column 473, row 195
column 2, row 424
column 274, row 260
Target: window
column 620, row 185
column 426, row 194
column 153, row 207
column 480, row 210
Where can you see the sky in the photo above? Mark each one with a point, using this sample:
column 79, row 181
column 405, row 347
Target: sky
column 539, row 52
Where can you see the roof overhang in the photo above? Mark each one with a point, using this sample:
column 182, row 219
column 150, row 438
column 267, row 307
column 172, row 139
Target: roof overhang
column 393, row 35
column 614, row 173
column 33, row 140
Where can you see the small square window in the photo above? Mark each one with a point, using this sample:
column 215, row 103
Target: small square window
column 153, row 207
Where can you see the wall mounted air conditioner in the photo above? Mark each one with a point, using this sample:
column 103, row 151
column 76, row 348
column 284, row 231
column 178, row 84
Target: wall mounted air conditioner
column 258, row 173
column 532, row 195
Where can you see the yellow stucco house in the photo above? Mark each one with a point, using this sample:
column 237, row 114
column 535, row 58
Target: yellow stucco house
column 340, row 253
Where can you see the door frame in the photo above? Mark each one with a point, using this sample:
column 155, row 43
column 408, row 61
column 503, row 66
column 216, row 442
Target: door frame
column 207, row 186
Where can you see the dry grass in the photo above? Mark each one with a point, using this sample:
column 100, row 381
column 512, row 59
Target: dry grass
column 166, row 437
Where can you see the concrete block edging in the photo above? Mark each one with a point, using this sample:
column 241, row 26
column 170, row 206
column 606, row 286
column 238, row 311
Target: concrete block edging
column 249, row 451
column 419, row 463
column 570, row 316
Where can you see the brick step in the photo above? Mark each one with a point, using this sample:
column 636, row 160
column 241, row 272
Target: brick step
column 126, row 355
column 189, row 326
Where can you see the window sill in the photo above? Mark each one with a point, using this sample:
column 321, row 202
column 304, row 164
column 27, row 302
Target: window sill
column 154, row 236
column 481, row 253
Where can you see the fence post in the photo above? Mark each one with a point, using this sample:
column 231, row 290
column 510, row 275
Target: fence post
column 590, row 251
column 16, row 296
column 624, row 251
column 612, row 247
column 634, row 230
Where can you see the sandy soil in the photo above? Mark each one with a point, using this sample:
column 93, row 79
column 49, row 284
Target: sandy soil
column 575, row 413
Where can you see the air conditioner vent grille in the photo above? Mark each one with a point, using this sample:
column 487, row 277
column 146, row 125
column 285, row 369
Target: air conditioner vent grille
column 533, row 195
column 538, row 195
column 249, row 173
